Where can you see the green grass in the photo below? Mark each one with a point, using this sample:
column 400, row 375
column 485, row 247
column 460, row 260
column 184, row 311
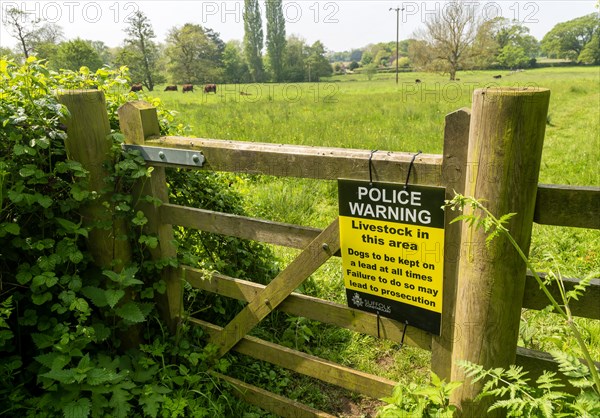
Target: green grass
column 351, row 112
column 408, row 117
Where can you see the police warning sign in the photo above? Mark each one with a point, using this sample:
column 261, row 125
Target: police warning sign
column 392, row 243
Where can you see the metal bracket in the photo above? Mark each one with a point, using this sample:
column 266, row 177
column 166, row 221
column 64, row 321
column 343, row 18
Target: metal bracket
column 168, row 155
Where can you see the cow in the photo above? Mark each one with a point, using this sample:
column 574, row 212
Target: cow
column 171, row 88
column 187, row 87
column 136, row 87
column 210, row 88
column 417, row 81
column 497, row 76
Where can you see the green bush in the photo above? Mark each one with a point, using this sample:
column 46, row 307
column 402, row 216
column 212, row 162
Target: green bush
column 62, row 319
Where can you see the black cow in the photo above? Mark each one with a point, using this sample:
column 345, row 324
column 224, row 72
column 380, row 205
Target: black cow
column 187, row 87
column 417, row 81
column 136, row 87
column 210, row 88
column 171, row 88
column 497, row 76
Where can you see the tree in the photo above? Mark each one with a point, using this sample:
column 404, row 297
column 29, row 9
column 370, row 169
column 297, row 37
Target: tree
column 591, row 52
column 193, row 56
column 234, row 67
column 45, row 41
column 275, row 38
column 449, row 37
column 141, row 55
column 295, row 68
column 23, row 27
column 568, row 39
column 253, row 39
column 318, row 64
column 77, row 53
column 515, row 47
column 356, row 55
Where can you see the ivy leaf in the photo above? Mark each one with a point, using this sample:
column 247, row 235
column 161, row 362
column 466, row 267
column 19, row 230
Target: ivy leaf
column 113, row 296
column 78, row 409
column 131, row 312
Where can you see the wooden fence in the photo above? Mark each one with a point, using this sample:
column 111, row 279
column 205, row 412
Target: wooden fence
column 554, row 205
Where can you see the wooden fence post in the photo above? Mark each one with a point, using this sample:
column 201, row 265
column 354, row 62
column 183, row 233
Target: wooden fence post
column 138, row 121
column 88, row 143
column 454, row 167
column 505, row 146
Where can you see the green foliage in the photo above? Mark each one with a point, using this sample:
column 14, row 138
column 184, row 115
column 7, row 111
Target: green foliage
column 72, row 55
column 275, row 38
column 141, row 53
column 513, row 390
column 253, row 39
column 194, row 55
column 544, row 398
column 568, row 39
column 420, row 401
column 64, row 321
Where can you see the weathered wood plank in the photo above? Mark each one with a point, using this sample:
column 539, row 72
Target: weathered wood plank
column 306, row 364
column 567, row 206
column 312, row 308
column 307, row 162
column 456, row 139
column 271, row 402
column 588, row 305
column 536, row 362
column 315, row 254
column 277, row 233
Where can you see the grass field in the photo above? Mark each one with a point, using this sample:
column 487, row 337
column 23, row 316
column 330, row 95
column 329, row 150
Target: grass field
column 352, row 112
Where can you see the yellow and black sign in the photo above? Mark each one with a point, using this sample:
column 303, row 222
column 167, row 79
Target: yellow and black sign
column 392, row 244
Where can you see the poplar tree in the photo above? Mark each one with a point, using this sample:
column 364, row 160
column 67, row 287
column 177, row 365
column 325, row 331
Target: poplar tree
column 253, row 39
column 276, row 42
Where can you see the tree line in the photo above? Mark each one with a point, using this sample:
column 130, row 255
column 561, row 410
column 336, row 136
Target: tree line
column 456, row 38
column 190, row 53
column 459, row 38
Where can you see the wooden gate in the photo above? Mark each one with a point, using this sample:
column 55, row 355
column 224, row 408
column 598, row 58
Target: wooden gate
column 139, row 123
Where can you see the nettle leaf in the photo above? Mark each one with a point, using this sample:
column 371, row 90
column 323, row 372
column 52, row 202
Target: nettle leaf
column 113, row 296
column 96, row 295
column 101, row 332
column 62, row 376
column 97, row 376
column 131, row 312
column 53, row 360
column 78, row 409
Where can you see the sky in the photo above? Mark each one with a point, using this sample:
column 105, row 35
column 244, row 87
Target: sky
column 341, row 24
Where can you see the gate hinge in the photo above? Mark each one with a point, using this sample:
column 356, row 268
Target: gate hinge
column 168, row 155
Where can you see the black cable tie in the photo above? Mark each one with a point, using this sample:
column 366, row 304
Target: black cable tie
column 403, row 334
column 371, row 166
column 412, row 162
column 378, row 331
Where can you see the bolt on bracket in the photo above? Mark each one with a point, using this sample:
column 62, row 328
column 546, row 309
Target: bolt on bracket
column 168, row 155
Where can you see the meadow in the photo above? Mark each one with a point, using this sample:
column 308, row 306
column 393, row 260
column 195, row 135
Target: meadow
column 352, row 112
